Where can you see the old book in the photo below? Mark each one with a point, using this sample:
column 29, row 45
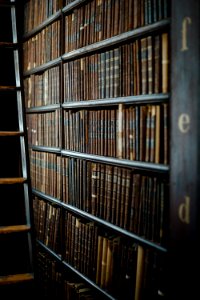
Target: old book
column 99, row 259
column 157, row 134
column 139, row 272
column 165, row 63
column 144, row 65
column 109, row 263
column 104, row 261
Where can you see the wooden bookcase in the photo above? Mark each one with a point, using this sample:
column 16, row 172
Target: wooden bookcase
column 107, row 161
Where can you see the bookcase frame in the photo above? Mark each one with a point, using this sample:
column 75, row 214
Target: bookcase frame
column 177, row 100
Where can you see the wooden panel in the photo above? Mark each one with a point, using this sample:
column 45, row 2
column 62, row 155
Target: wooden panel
column 185, row 124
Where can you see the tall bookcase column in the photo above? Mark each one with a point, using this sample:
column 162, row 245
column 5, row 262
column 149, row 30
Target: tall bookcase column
column 185, row 138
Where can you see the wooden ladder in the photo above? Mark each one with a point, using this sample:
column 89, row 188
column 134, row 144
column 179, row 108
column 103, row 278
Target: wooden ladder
column 16, row 235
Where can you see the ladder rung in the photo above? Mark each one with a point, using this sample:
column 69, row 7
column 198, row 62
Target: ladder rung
column 14, row 229
column 8, row 45
column 11, row 133
column 17, row 278
column 8, row 88
column 12, row 180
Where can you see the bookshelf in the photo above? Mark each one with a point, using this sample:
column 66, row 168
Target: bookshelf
column 101, row 96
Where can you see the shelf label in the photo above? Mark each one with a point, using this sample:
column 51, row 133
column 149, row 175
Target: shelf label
column 186, row 21
column 184, row 123
column 184, row 210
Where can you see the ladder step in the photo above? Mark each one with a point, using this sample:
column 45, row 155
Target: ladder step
column 8, row 45
column 11, row 133
column 17, row 278
column 14, row 229
column 12, row 180
column 8, row 88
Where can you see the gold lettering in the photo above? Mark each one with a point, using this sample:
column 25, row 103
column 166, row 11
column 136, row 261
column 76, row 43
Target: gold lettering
column 184, row 123
column 186, row 21
column 184, row 211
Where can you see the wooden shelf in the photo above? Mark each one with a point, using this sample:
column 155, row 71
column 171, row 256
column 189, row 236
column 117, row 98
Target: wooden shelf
column 139, row 99
column 139, row 165
column 45, row 108
column 99, row 221
column 47, row 22
column 43, row 67
column 117, row 39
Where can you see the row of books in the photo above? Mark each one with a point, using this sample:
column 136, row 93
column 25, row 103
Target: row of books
column 143, row 71
column 44, row 128
column 110, row 261
column 45, row 172
column 135, row 202
column 37, row 11
column 43, row 47
column 99, row 20
column 54, row 284
column 135, row 132
column 47, row 222
column 76, row 290
column 140, row 67
column 42, row 89
column 48, row 274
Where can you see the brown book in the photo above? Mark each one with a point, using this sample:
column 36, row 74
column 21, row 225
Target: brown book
column 114, row 195
column 119, row 131
column 150, row 65
column 109, row 191
column 139, row 272
column 154, row 134
column 99, row 259
column 165, row 63
column 94, row 189
column 157, row 64
column 98, row 185
column 157, row 135
column 104, row 262
column 144, row 66
column 137, row 68
column 122, row 197
column 109, row 264
column 127, row 135
column 136, row 18
column 148, row 134
column 166, row 134
column 142, row 131
column 127, row 200
column 118, row 195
